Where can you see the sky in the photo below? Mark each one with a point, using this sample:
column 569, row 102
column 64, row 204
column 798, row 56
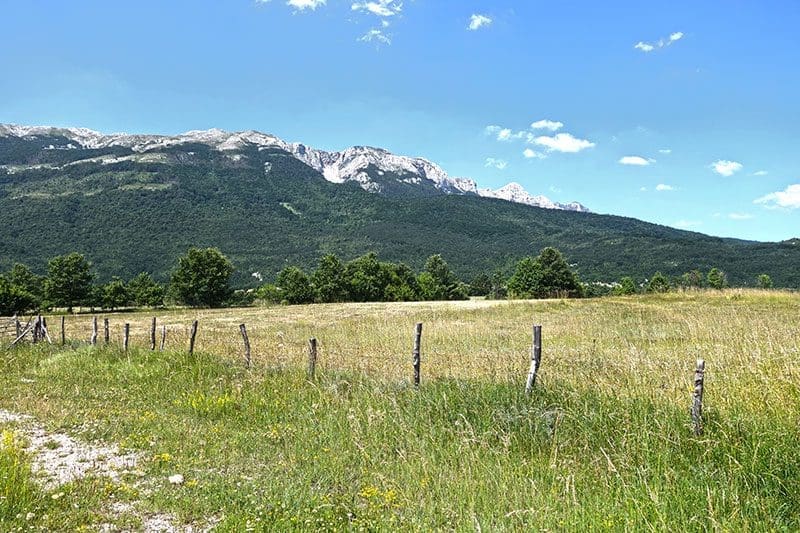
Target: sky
column 681, row 113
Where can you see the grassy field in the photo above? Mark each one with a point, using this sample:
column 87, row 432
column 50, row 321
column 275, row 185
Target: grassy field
column 603, row 443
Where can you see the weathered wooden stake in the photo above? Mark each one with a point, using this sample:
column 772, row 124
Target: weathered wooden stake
column 163, row 336
column 312, row 358
column 153, row 334
column 416, row 352
column 63, row 332
column 536, row 358
column 44, row 330
column 37, row 329
column 126, row 337
column 697, row 397
column 18, row 326
column 192, row 337
column 106, row 331
column 93, row 341
column 243, row 329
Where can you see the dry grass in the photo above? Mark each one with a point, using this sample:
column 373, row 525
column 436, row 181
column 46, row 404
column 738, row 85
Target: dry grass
column 603, row 443
column 634, row 346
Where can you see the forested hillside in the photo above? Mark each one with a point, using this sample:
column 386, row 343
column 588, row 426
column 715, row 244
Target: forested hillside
column 130, row 212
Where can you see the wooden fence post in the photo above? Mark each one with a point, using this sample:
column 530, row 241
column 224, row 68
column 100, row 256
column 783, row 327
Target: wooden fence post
column 243, row 330
column 93, row 341
column 153, row 335
column 44, row 330
column 163, row 336
column 416, row 352
column 312, row 358
column 18, row 325
column 536, row 358
column 63, row 332
column 697, row 397
column 106, row 332
column 126, row 337
column 192, row 337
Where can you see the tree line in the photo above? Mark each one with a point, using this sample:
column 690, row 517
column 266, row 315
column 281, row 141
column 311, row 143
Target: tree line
column 201, row 278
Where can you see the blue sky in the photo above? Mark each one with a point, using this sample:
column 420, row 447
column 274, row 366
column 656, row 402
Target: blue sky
column 680, row 113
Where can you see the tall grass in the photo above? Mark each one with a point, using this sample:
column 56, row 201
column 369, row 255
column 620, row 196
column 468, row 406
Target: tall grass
column 603, row 443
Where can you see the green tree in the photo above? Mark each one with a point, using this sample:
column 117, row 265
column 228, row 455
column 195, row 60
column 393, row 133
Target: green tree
column 115, row 294
column 546, row 276
column 526, row 280
column 693, row 279
column 22, row 276
column 499, row 285
column 716, row 279
column 626, row 287
column 294, row 286
column 329, row 280
column 764, row 281
column 144, row 291
column 438, row 282
column 658, row 283
column 403, row 285
column 367, row 278
column 202, row 278
column 14, row 299
column 481, row 285
column 69, row 281
column 557, row 277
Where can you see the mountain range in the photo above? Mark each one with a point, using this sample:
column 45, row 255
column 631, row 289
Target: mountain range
column 135, row 203
column 374, row 169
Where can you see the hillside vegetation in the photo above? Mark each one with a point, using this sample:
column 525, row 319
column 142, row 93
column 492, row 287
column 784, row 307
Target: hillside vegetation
column 603, row 443
column 265, row 209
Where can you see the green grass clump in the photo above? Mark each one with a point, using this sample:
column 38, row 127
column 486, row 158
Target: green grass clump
column 18, row 492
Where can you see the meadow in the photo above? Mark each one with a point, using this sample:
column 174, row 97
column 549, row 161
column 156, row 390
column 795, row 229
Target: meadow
column 604, row 442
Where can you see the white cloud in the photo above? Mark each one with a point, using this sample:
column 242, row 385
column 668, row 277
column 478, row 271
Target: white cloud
column 635, row 160
column 760, row 173
column 788, row 198
column 547, row 125
column 665, row 151
column 563, row 142
column 531, row 154
column 555, row 190
column 478, row 21
column 643, row 189
column 661, row 187
column 375, row 35
column 380, row 8
column 740, row 216
column 505, row 134
column 499, row 164
column 302, row 5
column 661, row 43
column 726, row 168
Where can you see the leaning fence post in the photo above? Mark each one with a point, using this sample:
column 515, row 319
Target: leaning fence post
column 63, row 332
column 93, row 341
column 243, row 330
column 126, row 337
column 312, row 358
column 697, row 397
column 163, row 336
column 106, row 332
column 153, row 335
column 536, row 358
column 416, row 352
column 192, row 337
